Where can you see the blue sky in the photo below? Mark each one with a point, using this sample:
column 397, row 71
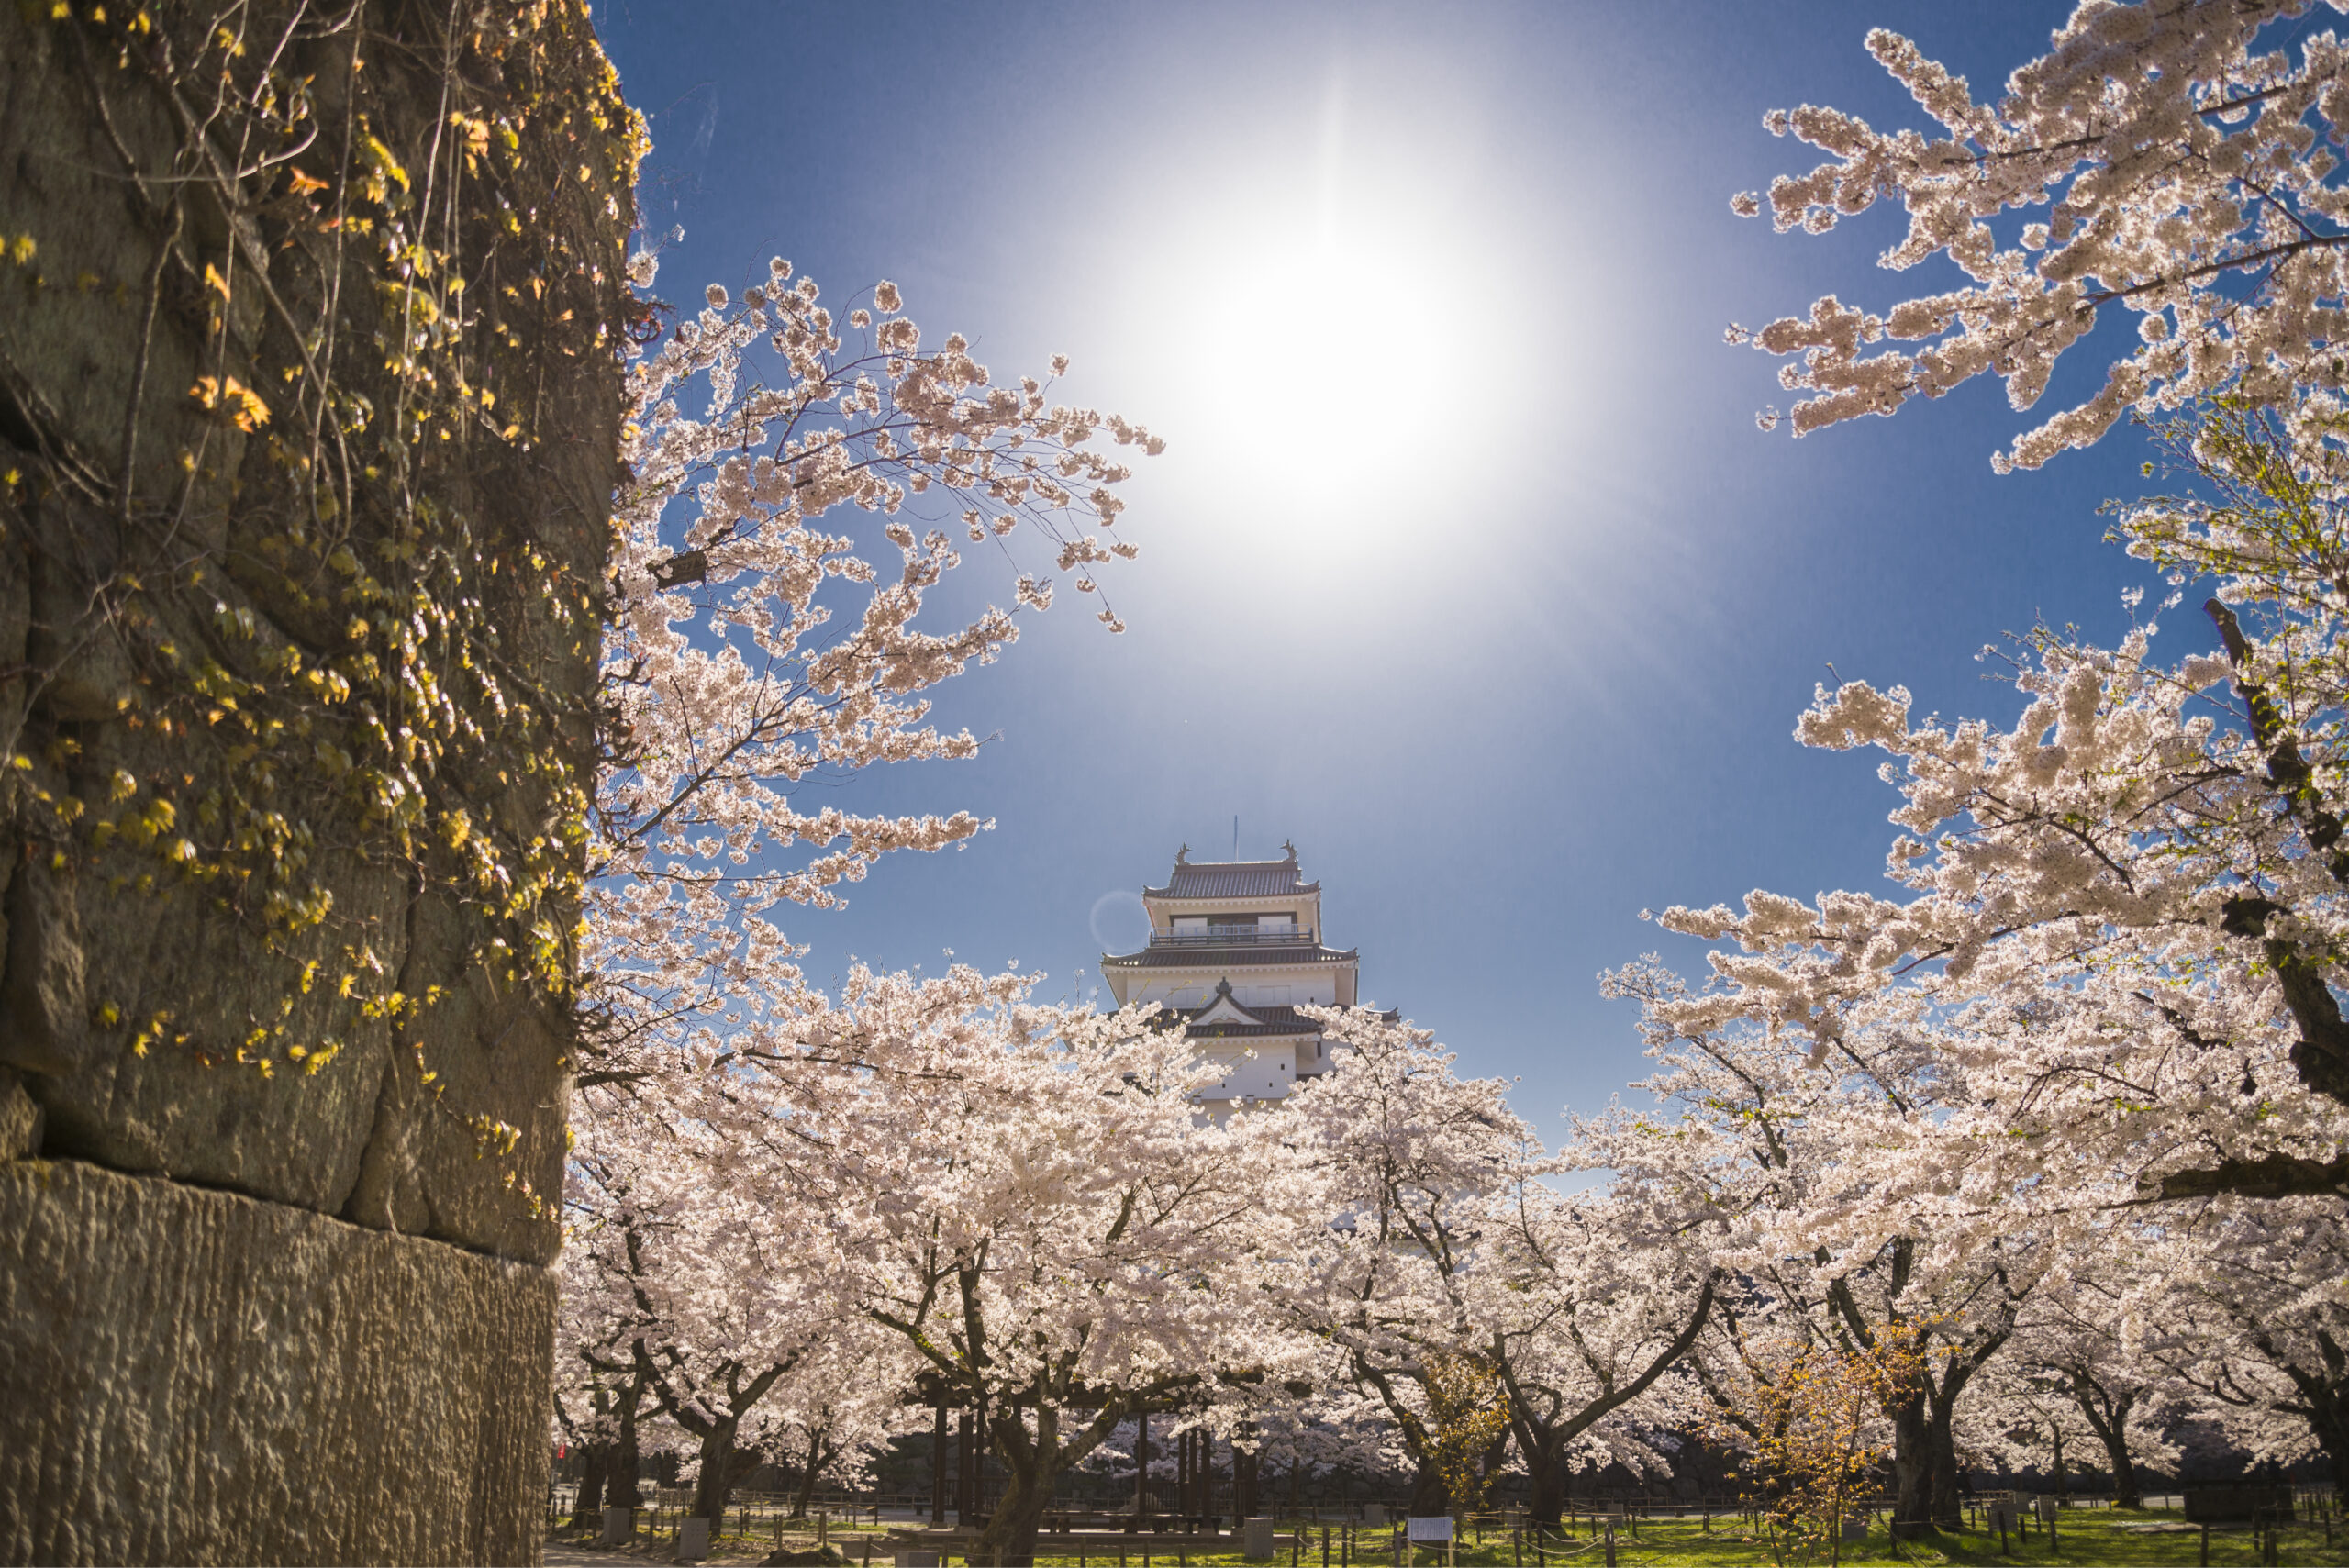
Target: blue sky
column 1467, row 568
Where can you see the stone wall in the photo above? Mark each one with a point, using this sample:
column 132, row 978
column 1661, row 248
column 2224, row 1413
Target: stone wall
column 193, row 1376
column 300, row 551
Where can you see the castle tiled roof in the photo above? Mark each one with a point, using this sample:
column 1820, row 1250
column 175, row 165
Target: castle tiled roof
column 1233, row 879
column 1269, row 1021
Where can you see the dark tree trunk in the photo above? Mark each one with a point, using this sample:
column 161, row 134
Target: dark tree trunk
column 1545, row 1429
column 1009, row 1536
column 1141, row 1465
column 716, row 1481
column 1429, row 1496
column 2107, row 1417
column 1032, row 1463
column 968, row 1500
column 1925, row 1409
column 806, row 1496
column 2128, row 1492
column 1490, row 1465
column 2324, row 1397
column 734, row 1399
column 2334, row 1436
column 938, row 1467
column 587, row 1507
column 1924, row 1454
column 819, row 1458
column 1912, row 1469
column 1947, row 1508
column 623, row 1489
column 1546, row 1478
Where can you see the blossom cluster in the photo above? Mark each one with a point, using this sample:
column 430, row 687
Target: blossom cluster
column 2162, row 161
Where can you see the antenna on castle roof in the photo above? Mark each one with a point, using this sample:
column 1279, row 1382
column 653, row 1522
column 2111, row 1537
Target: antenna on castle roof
column 1235, row 837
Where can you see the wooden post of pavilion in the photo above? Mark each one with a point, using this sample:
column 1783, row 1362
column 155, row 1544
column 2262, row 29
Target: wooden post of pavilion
column 937, row 1465
column 964, row 1507
column 978, row 1452
column 1141, row 1466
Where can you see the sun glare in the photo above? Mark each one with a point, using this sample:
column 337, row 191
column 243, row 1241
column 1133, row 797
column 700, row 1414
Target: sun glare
column 1322, row 345
column 1319, row 345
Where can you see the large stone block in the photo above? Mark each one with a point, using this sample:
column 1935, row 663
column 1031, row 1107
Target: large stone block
column 196, row 1377
column 164, row 1004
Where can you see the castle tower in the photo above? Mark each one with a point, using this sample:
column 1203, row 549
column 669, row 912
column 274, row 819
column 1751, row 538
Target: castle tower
column 1234, row 950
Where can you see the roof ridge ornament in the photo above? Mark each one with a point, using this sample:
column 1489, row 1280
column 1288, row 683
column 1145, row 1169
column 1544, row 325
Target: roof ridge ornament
column 1182, row 856
column 1292, row 850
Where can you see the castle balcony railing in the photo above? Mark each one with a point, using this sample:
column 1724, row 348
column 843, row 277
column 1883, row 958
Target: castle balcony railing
column 1232, row 936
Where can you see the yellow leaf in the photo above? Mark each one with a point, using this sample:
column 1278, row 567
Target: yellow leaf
column 239, row 402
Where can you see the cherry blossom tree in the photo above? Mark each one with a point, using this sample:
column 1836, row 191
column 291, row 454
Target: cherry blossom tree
column 2078, row 1377
column 2252, row 1311
column 2173, row 160
column 2183, row 158
column 728, row 689
column 693, row 1291
column 2133, row 896
column 1829, row 1146
column 1406, row 1155
column 1594, row 1304
column 2070, row 1415
column 2112, row 976
column 1449, row 1248
column 596, row 1412
column 839, row 1405
column 1313, row 1422
column 739, row 665
column 1808, row 1423
column 1028, row 1198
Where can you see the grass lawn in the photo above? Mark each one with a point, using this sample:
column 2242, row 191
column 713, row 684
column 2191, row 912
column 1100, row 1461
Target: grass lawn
column 2085, row 1536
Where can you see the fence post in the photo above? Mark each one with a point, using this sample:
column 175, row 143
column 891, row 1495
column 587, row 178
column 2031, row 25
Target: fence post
column 1611, row 1544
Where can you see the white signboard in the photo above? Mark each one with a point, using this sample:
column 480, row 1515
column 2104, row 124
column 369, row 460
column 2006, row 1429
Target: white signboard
column 1436, row 1529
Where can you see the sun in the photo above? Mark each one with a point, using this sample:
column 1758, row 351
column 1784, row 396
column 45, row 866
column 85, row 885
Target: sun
column 1321, row 336
column 1328, row 344
column 1324, row 339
